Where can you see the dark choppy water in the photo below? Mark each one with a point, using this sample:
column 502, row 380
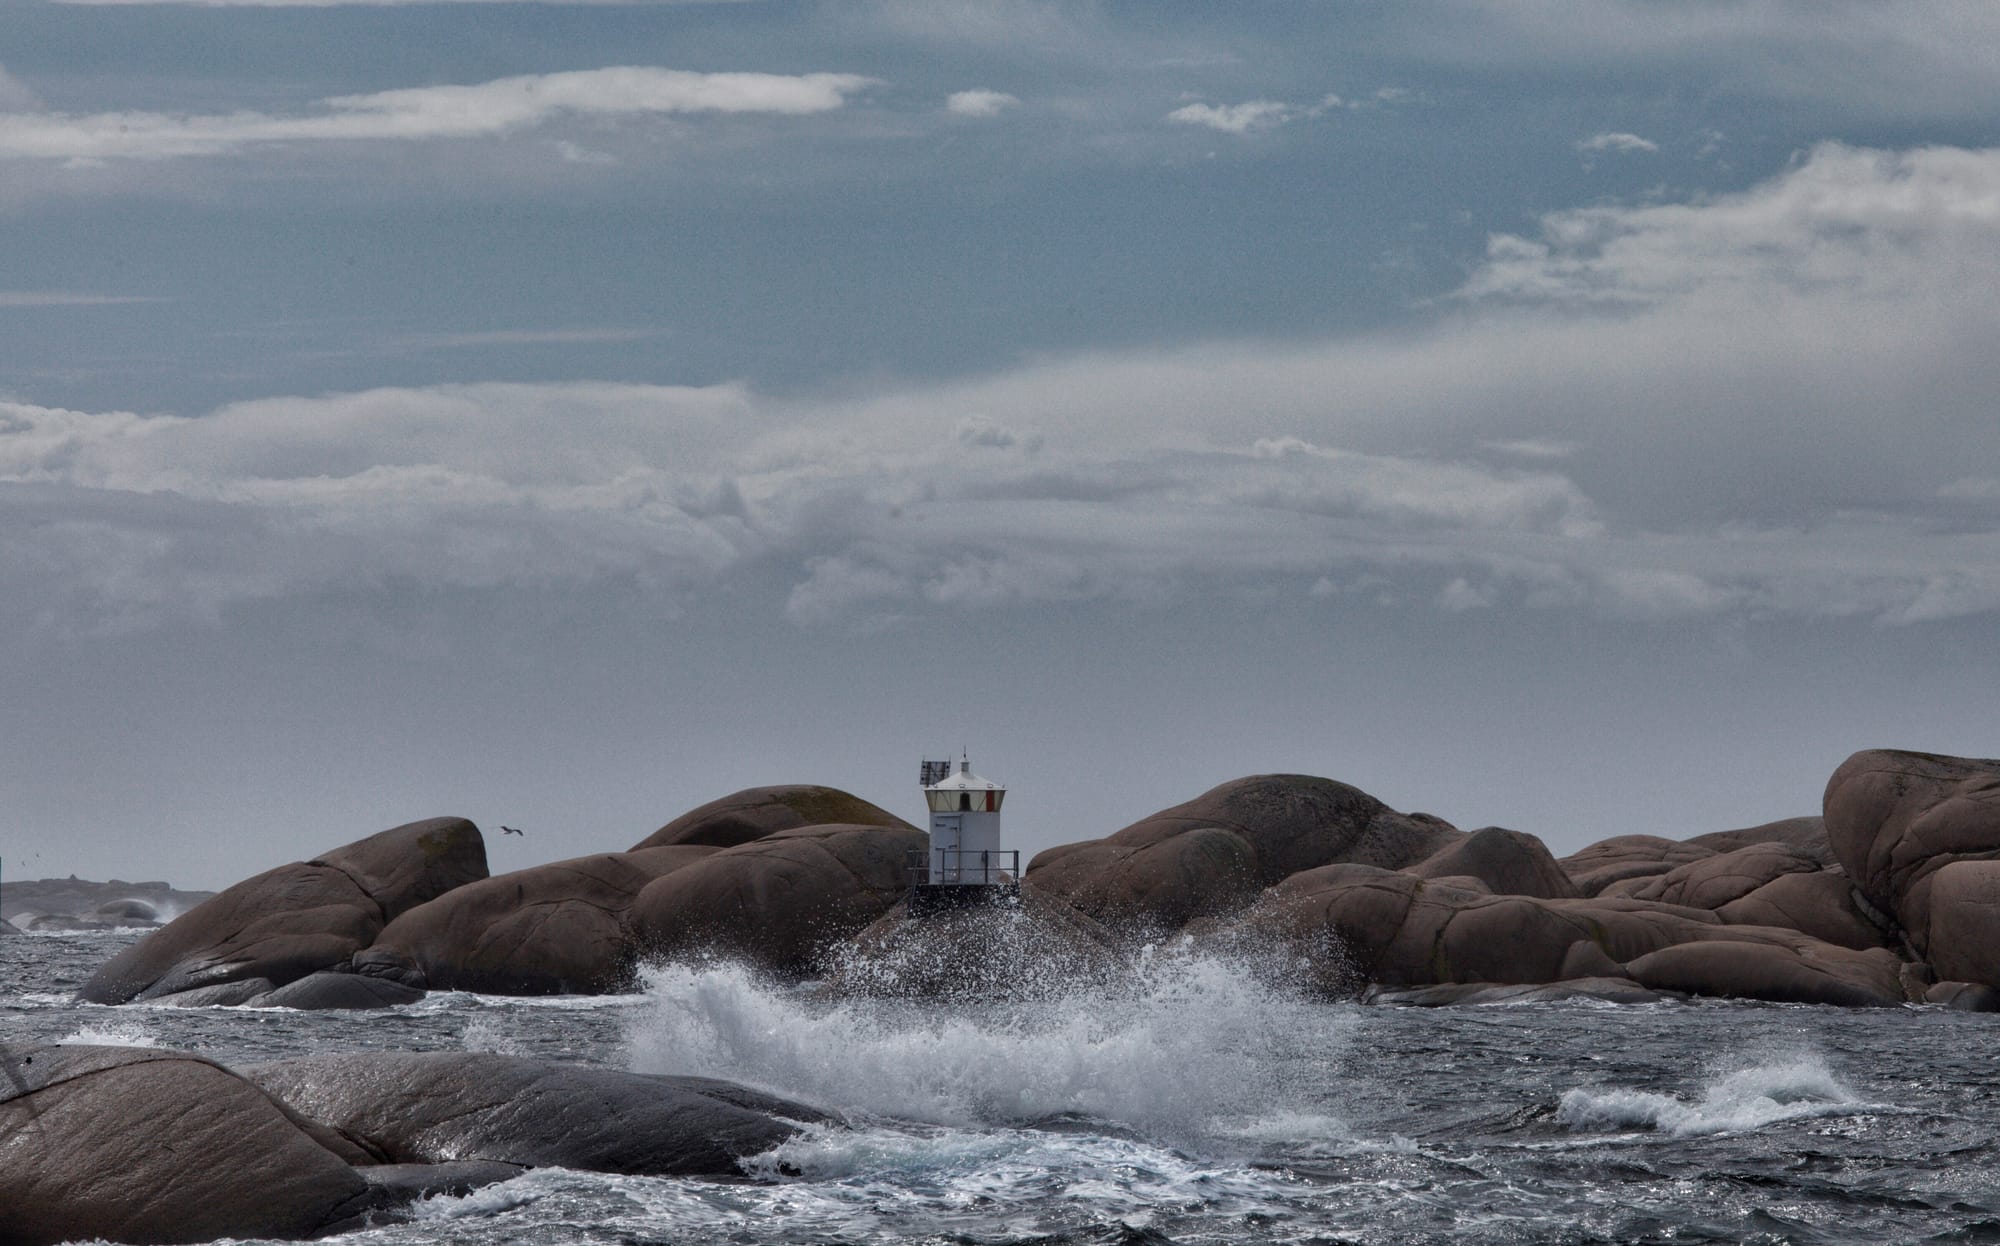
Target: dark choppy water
column 1205, row 1105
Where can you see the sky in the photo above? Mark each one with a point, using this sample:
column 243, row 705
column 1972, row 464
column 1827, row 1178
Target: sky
column 1574, row 417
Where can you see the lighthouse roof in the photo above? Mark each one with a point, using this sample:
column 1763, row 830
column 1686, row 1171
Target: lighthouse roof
column 964, row 781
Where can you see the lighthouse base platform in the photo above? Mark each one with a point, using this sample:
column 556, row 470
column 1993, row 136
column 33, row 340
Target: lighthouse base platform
column 928, row 898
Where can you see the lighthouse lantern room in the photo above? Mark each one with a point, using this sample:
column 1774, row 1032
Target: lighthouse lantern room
column 965, row 829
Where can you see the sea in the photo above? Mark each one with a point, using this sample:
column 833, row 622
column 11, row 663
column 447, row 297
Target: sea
column 1202, row 1098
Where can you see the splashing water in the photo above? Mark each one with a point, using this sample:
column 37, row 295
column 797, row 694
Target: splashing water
column 1189, row 1042
column 1798, row 1086
column 112, row 1034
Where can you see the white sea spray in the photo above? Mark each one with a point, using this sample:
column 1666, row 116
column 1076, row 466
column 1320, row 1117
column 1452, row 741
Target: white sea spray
column 1189, row 1042
column 1795, row 1086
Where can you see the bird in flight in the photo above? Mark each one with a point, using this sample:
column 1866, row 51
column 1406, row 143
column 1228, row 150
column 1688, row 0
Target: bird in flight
column 508, row 830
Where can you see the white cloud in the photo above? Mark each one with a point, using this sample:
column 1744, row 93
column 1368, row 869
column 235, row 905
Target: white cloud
column 980, row 103
column 487, row 108
column 1616, row 142
column 1245, row 118
column 1856, row 220
column 1780, row 390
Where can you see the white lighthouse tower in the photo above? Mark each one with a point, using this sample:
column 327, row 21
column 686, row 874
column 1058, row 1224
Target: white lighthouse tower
column 965, row 853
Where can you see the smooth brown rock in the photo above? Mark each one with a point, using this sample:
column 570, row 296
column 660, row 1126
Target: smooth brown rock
column 1809, row 973
column 1396, row 930
column 1215, row 853
column 297, row 919
column 1714, row 881
column 337, row 991
column 143, row 1145
column 433, row 1107
column 1808, row 835
column 1476, row 994
column 1820, row 904
column 221, row 995
column 781, row 901
column 1509, row 863
column 555, row 929
column 1624, row 858
column 1964, row 996
column 756, row 812
column 1963, row 936
column 1897, row 820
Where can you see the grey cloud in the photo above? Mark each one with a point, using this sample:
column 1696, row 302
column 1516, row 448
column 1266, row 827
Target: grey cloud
column 979, row 103
column 1616, row 142
column 1858, row 221
column 1848, row 304
column 1248, row 117
column 419, row 113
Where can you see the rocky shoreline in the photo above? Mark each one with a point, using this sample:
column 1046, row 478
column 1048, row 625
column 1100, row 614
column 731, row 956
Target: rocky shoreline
column 1890, row 896
column 70, row 905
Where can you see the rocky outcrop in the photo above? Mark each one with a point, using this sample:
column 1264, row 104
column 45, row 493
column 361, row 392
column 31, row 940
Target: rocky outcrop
column 1919, row 834
column 1216, row 853
column 1821, row 904
column 1619, row 865
column 1397, row 930
column 551, row 930
column 755, row 812
column 1506, row 863
column 1797, row 970
column 434, row 1107
column 106, row 905
column 297, row 919
column 337, row 991
column 783, row 901
column 141, row 1145
column 1475, row 994
column 132, row 1144
column 1713, row 881
column 1807, row 835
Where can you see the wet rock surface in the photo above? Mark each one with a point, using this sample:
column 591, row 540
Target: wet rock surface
column 142, row 1145
column 297, row 919
column 135, row 1145
column 554, row 929
column 1919, row 834
column 1217, row 852
column 438, row 1107
column 783, row 902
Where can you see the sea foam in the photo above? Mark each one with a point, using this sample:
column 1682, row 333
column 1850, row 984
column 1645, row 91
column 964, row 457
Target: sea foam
column 1790, row 1089
column 1186, row 1042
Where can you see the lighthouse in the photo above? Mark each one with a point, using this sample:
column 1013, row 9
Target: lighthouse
column 966, row 863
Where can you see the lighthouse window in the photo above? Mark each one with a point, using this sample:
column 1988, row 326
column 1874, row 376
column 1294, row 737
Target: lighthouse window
column 965, row 801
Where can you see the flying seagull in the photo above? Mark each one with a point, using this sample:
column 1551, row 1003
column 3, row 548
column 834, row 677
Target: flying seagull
column 508, row 830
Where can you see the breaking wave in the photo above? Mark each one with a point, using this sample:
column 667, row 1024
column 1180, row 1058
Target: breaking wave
column 1185, row 1042
column 1798, row 1087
